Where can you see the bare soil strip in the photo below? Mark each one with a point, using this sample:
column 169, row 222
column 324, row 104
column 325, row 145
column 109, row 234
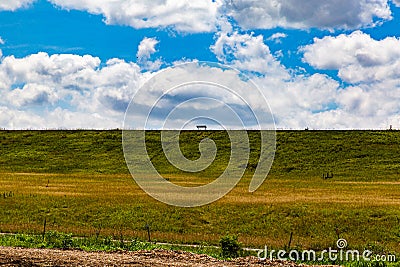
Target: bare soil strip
column 48, row 257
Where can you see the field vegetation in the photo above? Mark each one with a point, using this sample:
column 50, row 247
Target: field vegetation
column 78, row 182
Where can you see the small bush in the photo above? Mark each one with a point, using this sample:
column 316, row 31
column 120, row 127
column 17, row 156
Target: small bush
column 108, row 241
column 230, row 246
column 58, row 240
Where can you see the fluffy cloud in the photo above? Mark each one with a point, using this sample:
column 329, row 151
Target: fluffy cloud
column 42, row 68
column 277, row 37
column 294, row 99
column 14, row 4
column 86, row 94
column 346, row 14
column 371, row 106
column 71, row 91
column 146, row 48
column 44, row 86
column 181, row 15
column 317, row 101
column 2, row 41
column 247, row 52
column 372, row 66
column 209, row 15
column 32, row 94
column 357, row 57
column 288, row 94
column 56, row 119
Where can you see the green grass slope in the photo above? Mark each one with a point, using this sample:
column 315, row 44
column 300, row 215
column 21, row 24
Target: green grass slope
column 354, row 155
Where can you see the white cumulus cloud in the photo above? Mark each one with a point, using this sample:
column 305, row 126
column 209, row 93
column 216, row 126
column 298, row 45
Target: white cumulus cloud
column 13, row 5
column 195, row 16
column 44, row 86
column 372, row 66
column 181, row 15
column 294, row 99
column 32, row 94
column 146, row 48
column 345, row 14
column 318, row 101
column 72, row 91
column 277, row 37
column 357, row 57
column 247, row 52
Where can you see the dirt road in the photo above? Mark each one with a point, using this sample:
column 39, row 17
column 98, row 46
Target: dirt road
column 48, row 257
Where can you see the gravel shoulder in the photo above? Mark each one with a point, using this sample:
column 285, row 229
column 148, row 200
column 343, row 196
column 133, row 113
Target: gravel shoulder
column 10, row 256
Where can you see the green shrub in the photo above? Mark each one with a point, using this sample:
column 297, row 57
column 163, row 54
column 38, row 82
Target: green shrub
column 58, row 240
column 230, row 246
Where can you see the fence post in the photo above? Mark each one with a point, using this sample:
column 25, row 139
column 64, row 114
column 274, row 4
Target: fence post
column 290, row 240
column 44, row 227
column 148, row 232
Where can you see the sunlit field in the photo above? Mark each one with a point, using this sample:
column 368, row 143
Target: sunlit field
column 78, row 182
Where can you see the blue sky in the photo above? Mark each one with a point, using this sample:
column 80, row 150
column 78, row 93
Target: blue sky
column 44, row 27
column 77, row 64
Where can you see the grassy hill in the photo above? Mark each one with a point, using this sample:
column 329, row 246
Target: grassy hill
column 350, row 155
column 79, row 182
